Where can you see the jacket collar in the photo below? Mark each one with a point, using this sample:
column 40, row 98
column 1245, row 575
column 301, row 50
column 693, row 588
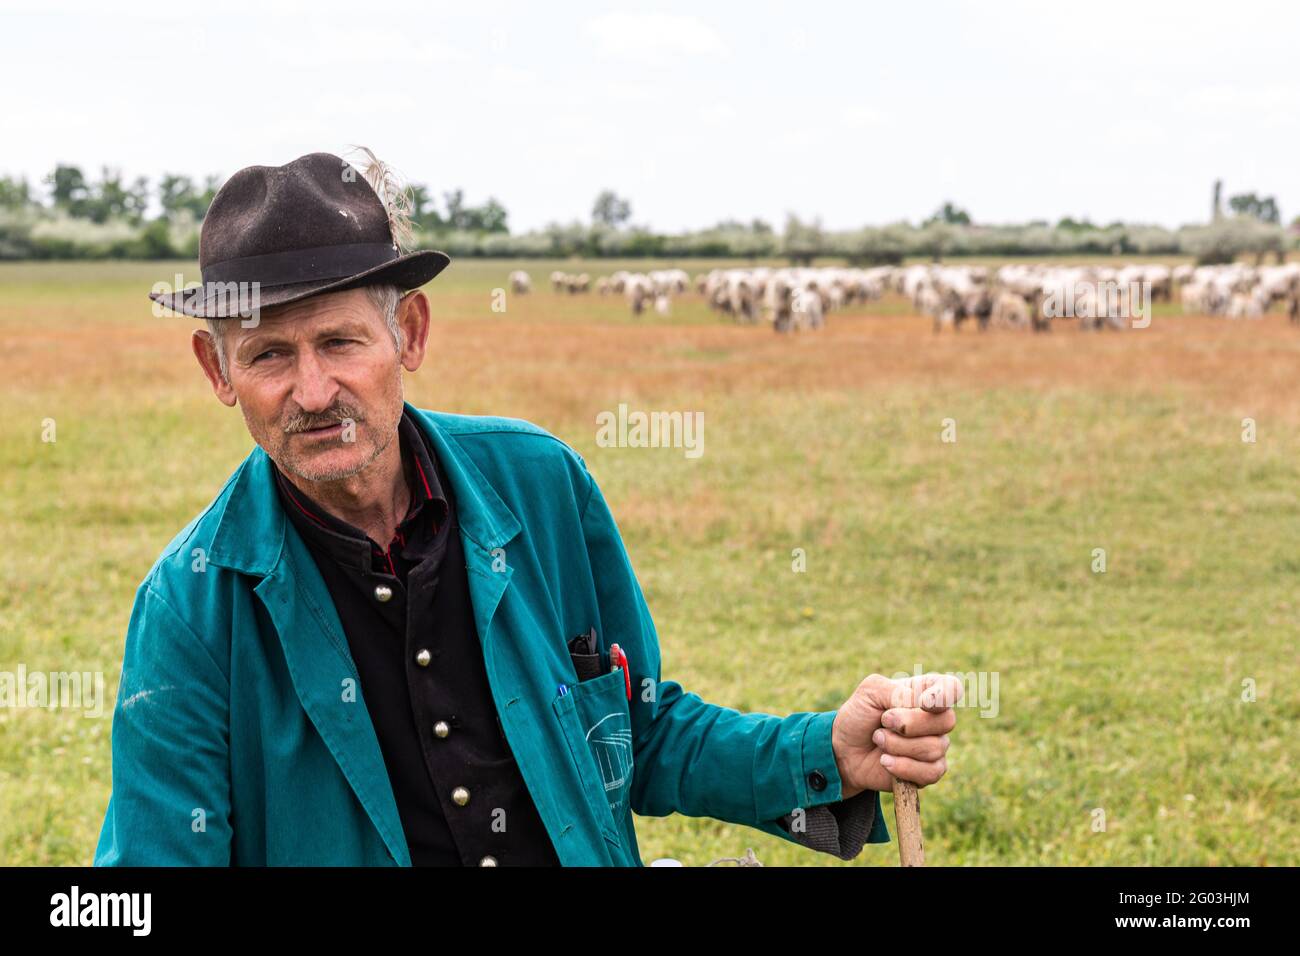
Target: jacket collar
column 483, row 516
column 251, row 537
column 251, row 529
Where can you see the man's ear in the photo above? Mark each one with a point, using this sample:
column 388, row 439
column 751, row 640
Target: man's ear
column 413, row 320
column 205, row 350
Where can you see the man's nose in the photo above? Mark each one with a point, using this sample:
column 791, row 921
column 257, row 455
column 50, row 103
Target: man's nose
column 314, row 388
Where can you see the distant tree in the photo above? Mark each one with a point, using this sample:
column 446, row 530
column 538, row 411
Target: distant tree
column 950, row 214
column 15, row 193
column 420, row 201
column 869, row 246
column 1216, row 207
column 1070, row 223
column 610, row 210
column 154, row 241
column 179, row 194
column 565, row 239
column 803, row 241
column 68, row 189
column 202, row 200
column 756, row 226
column 937, row 237
column 1230, row 237
column 173, row 192
column 424, row 211
column 491, row 217
column 111, row 198
column 1248, row 204
column 455, row 201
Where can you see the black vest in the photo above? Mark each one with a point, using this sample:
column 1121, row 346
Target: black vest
column 409, row 623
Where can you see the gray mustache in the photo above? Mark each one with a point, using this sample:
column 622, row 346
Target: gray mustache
column 305, row 421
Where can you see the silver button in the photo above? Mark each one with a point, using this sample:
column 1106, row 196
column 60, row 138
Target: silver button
column 383, row 593
column 441, row 728
column 488, row 861
column 460, row 795
column 423, row 658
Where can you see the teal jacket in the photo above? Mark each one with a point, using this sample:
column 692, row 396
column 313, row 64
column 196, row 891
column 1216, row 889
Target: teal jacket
column 241, row 736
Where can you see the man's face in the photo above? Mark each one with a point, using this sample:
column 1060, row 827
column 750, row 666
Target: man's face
column 319, row 382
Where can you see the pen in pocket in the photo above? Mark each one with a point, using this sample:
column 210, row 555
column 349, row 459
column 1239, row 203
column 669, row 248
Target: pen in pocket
column 617, row 659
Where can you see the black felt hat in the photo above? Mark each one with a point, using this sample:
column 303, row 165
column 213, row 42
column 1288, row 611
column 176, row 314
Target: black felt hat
column 277, row 234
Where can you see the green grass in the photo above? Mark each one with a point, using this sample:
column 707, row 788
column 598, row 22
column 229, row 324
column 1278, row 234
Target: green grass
column 1118, row 692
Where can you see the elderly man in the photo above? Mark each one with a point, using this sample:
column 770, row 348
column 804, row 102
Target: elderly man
column 407, row 637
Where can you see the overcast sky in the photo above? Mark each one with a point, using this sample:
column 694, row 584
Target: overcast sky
column 862, row 112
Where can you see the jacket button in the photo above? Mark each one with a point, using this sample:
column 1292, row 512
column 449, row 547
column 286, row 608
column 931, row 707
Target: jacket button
column 488, row 861
column 383, row 593
column 423, row 657
column 441, row 729
column 817, row 780
column 460, row 795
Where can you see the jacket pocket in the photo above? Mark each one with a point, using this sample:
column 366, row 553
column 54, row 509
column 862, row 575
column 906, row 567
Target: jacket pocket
column 598, row 726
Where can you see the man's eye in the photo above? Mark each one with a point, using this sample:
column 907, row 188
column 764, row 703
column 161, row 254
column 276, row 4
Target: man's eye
column 339, row 342
column 269, row 353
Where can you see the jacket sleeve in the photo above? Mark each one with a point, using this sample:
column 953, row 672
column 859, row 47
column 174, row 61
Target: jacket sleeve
column 170, row 804
column 704, row 760
column 840, row 829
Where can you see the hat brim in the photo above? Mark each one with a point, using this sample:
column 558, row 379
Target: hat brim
column 407, row 272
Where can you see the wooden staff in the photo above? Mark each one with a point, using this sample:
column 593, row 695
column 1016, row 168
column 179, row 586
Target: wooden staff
column 907, row 814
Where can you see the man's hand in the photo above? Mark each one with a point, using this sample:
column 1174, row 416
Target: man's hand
column 894, row 728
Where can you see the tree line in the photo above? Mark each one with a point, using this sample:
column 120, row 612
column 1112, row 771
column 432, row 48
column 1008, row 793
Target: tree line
column 78, row 217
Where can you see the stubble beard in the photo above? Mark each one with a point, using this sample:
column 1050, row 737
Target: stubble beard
column 289, row 462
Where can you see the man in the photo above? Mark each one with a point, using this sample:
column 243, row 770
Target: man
column 400, row 636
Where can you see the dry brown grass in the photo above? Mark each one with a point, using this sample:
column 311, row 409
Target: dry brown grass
column 554, row 368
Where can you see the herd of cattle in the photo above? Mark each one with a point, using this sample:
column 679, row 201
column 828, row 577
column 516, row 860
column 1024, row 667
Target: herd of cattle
column 1029, row 296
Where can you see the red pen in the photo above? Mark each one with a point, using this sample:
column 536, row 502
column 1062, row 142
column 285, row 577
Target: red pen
column 619, row 659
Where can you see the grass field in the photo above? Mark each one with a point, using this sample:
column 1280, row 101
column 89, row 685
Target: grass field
column 1119, row 692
